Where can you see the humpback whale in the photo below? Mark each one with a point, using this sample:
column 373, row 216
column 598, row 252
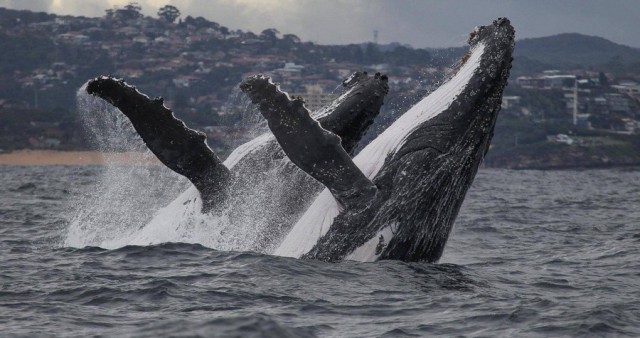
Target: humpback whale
column 238, row 184
column 397, row 199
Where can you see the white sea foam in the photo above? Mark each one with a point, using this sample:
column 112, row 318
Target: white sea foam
column 142, row 205
column 124, row 197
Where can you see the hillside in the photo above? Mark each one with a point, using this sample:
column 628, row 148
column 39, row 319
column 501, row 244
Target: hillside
column 573, row 50
column 196, row 65
column 565, row 52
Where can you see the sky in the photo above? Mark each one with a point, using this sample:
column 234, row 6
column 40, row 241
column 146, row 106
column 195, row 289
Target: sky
column 420, row 23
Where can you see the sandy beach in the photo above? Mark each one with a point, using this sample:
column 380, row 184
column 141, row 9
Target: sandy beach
column 48, row 157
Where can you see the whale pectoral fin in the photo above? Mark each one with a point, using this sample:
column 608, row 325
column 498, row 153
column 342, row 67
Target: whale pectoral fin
column 181, row 149
column 313, row 149
column 350, row 115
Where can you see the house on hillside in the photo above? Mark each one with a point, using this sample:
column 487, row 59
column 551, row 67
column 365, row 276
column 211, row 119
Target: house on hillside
column 186, row 81
column 315, row 97
column 547, row 82
column 631, row 89
column 618, row 103
column 509, row 102
column 73, row 38
column 13, row 104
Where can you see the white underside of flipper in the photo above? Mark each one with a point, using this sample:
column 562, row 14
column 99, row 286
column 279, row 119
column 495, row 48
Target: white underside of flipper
column 371, row 250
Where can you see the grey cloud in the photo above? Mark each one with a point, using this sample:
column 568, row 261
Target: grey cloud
column 32, row 5
column 422, row 23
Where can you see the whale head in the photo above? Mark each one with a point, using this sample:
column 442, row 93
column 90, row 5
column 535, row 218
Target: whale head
column 429, row 173
column 422, row 165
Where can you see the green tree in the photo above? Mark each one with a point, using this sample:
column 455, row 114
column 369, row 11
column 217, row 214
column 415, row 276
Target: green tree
column 372, row 53
column 224, row 31
column 130, row 11
column 602, row 78
column 169, row 13
column 270, row 34
column 292, row 38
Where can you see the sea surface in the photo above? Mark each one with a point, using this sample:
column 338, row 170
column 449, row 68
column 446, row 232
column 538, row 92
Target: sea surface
column 533, row 254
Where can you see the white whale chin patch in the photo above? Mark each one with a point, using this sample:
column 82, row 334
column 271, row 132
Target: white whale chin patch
column 373, row 248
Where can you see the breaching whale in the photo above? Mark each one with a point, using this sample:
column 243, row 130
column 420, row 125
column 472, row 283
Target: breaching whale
column 257, row 173
column 397, row 199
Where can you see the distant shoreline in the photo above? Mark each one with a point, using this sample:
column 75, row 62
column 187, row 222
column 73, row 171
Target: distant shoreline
column 76, row 158
column 86, row 158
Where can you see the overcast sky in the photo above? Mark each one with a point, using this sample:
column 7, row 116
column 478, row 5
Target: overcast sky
column 421, row 23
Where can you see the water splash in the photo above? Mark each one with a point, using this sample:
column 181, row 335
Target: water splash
column 142, row 204
column 126, row 194
column 251, row 121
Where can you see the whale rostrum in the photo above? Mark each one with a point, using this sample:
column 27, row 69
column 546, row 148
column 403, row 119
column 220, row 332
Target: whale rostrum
column 397, row 199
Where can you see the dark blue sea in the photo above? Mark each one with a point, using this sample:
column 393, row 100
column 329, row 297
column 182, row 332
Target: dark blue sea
column 533, row 254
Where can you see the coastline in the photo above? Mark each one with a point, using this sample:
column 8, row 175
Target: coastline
column 75, row 158
column 87, row 158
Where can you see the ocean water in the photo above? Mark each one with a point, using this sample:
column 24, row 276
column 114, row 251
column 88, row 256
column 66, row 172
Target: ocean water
column 532, row 254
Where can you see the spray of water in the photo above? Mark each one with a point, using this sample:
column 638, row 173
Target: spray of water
column 251, row 122
column 142, row 204
column 126, row 194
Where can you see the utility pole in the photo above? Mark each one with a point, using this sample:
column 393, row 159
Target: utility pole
column 35, row 96
column 575, row 101
column 375, row 36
